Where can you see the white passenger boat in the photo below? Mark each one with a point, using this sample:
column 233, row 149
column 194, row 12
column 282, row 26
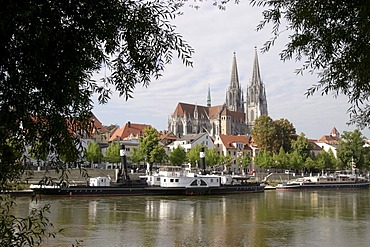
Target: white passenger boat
column 332, row 181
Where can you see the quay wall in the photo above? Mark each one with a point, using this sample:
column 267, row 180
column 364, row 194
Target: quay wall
column 74, row 175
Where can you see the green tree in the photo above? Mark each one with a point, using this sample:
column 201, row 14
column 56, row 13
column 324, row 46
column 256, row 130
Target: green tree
column 38, row 152
column 366, row 164
column 270, row 135
column 296, row 160
column 333, row 39
column 27, row 231
column 136, row 156
column 309, row 164
column 212, row 157
column 93, row 153
column 281, row 160
column 284, row 133
column 49, row 52
column 193, row 156
column 264, row 133
column 45, row 76
column 301, row 146
column 150, row 148
column 159, row 154
column 244, row 160
column 45, row 80
column 11, row 163
column 226, row 161
column 178, row 156
column 264, row 159
column 351, row 149
column 112, row 154
column 325, row 160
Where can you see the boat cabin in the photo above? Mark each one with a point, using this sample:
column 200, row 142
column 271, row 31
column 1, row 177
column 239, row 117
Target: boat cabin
column 99, row 181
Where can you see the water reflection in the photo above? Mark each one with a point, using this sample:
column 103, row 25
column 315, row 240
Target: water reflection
column 323, row 218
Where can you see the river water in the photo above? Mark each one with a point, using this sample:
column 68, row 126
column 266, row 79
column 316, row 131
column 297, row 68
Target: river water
column 273, row 218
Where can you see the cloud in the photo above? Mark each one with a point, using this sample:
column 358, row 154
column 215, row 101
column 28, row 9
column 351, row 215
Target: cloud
column 216, row 35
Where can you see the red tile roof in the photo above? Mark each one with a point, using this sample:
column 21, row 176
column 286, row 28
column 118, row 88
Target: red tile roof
column 228, row 140
column 212, row 112
column 130, row 129
column 98, row 126
column 167, row 135
column 332, row 138
column 329, row 139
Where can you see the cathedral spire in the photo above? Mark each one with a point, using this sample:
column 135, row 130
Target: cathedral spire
column 256, row 102
column 234, row 100
column 256, row 76
column 234, row 82
column 209, row 96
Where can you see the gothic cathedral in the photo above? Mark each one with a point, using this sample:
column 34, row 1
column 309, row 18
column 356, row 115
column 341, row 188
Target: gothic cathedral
column 230, row 118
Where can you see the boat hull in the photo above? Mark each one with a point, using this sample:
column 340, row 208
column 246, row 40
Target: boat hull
column 150, row 190
column 314, row 186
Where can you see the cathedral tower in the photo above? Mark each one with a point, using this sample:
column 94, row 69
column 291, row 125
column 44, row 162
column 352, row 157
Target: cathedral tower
column 256, row 95
column 234, row 94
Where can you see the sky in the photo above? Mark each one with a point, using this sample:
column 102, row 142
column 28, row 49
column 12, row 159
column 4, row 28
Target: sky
column 215, row 35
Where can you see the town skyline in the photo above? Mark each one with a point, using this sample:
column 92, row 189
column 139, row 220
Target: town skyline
column 215, row 35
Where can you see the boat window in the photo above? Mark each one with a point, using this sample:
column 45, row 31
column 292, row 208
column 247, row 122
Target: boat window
column 194, row 183
column 211, row 180
column 171, row 180
column 176, row 180
column 164, row 180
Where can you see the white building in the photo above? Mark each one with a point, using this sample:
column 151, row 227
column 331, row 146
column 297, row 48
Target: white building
column 191, row 140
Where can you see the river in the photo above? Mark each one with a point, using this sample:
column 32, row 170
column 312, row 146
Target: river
column 273, row 218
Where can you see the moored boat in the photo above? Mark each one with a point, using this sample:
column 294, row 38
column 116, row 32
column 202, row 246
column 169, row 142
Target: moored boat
column 167, row 181
column 333, row 181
